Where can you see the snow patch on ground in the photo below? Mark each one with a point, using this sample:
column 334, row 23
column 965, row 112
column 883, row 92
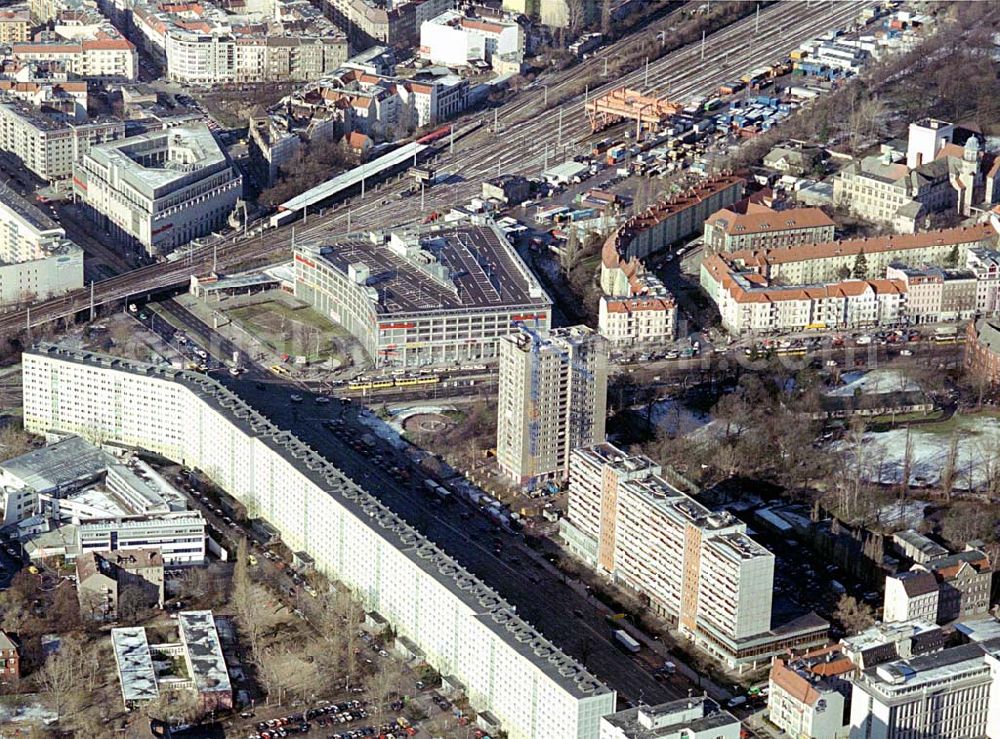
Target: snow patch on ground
column 675, row 418
column 17, row 710
column 381, row 429
column 399, row 415
column 884, row 453
column 874, row 382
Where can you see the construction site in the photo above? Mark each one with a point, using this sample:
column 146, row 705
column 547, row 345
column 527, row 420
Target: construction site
column 623, row 104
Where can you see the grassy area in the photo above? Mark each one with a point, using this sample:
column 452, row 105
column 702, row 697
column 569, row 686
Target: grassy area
column 291, row 330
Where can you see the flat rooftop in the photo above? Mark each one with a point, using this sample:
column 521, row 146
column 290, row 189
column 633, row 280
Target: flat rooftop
column 698, row 715
column 929, row 670
column 160, row 158
column 201, row 639
column 27, row 212
column 135, row 664
column 468, row 589
column 466, row 267
column 73, row 460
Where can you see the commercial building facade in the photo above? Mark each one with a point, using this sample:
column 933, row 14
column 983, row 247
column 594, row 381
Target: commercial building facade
column 465, row 629
column 947, row 695
column 552, row 399
column 415, row 298
column 37, row 261
column 160, row 190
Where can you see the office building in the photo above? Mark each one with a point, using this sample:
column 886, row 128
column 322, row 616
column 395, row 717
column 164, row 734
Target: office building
column 37, row 261
column 423, row 297
column 686, row 718
column 145, row 670
column 50, row 145
column 160, row 190
column 809, row 694
column 552, row 400
column 179, row 535
column 946, row 695
column 467, row 632
column 697, row 568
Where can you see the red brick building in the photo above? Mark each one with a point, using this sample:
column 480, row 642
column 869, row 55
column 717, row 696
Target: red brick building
column 10, row 660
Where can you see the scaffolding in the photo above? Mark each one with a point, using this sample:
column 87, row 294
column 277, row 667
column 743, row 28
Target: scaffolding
column 625, row 104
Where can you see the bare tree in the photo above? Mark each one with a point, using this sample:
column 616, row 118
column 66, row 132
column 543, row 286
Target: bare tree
column 853, row 615
column 949, row 472
column 606, row 18
column 14, row 441
column 575, row 16
column 904, row 481
column 384, row 685
column 61, row 677
column 133, row 604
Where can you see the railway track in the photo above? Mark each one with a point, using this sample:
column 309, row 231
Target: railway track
column 518, row 147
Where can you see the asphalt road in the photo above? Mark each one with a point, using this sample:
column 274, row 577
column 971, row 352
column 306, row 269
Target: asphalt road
column 540, row 595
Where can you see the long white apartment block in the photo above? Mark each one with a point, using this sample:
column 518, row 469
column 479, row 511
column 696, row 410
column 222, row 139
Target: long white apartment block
column 36, row 258
column 466, row 630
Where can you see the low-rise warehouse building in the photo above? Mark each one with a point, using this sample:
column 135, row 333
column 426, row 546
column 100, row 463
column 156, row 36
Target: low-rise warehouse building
column 415, row 298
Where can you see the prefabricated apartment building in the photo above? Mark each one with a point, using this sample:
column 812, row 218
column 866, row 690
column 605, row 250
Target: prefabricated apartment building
column 466, row 630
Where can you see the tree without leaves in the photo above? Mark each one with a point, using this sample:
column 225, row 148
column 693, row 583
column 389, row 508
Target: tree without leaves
column 61, row 677
column 853, row 615
column 14, row 441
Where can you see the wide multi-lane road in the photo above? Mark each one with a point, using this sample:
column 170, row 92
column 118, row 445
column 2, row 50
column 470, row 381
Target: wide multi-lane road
column 518, row 146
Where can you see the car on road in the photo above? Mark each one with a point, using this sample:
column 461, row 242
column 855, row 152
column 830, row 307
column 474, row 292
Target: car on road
column 322, row 400
column 295, row 398
column 906, row 353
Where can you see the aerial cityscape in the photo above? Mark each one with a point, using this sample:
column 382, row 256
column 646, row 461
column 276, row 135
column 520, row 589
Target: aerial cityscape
column 509, row 369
